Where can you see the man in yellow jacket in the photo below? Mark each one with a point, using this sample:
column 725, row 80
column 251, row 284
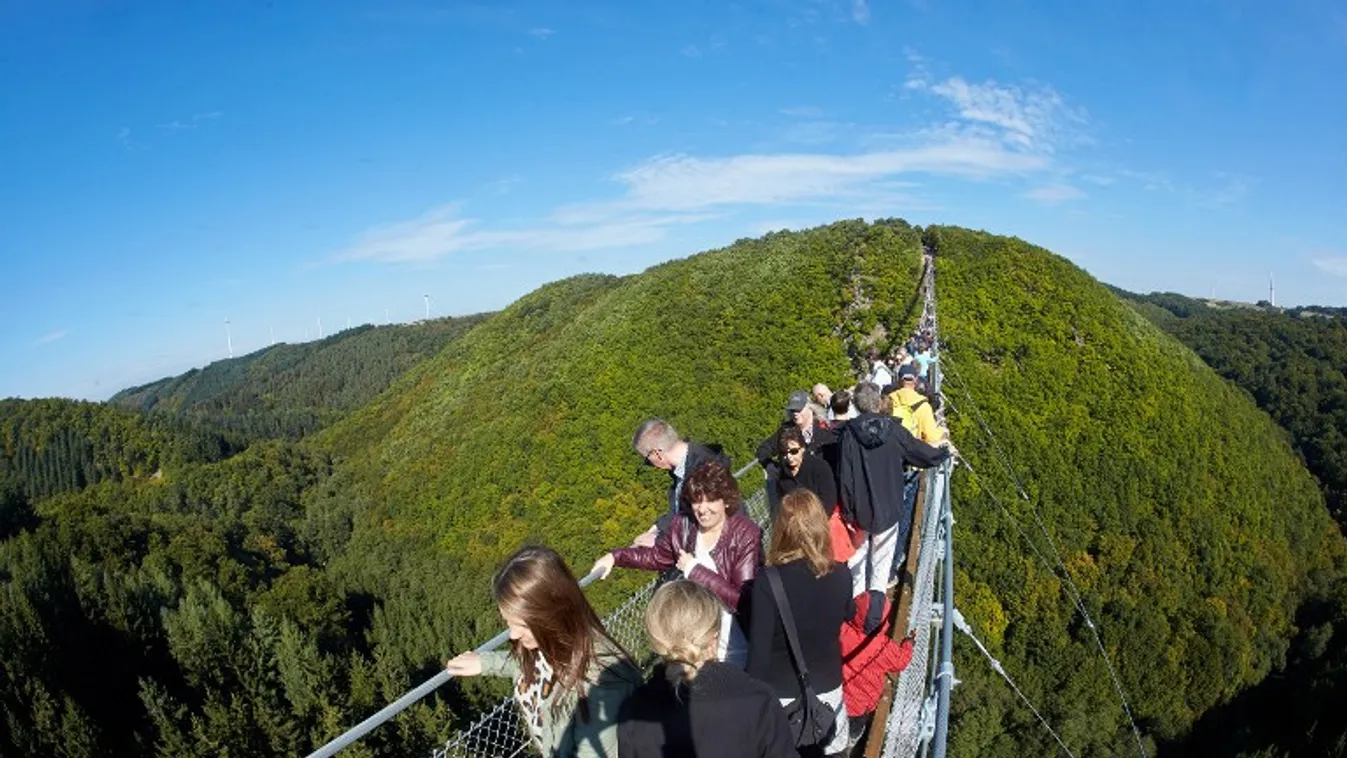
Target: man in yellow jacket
column 914, row 409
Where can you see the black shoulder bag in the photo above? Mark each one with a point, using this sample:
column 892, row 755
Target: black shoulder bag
column 812, row 721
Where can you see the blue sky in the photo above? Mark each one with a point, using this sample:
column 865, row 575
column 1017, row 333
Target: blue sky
column 165, row 166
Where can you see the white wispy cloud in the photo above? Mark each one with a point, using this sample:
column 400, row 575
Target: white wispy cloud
column 542, row 32
column 1335, row 265
column 1054, row 194
column 692, row 51
column 50, row 337
column 443, row 231
column 1032, row 117
column 1002, row 132
column 860, row 12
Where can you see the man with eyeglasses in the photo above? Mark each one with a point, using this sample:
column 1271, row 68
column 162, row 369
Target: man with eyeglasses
column 658, row 443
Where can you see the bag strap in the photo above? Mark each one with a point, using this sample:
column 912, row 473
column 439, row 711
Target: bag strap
column 788, row 621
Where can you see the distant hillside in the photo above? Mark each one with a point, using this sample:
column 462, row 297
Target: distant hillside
column 260, row 604
column 1293, row 363
column 291, row 390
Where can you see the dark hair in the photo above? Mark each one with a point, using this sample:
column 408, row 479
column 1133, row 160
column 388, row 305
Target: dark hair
column 787, row 435
column 840, row 402
column 536, row 585
column 712, row 481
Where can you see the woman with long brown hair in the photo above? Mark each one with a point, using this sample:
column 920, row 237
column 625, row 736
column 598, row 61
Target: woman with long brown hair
column 570, row 676
column 818, row 590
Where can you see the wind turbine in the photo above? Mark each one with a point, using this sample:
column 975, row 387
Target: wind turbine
column 320, row 327
column 427, row 307
column 229, row 338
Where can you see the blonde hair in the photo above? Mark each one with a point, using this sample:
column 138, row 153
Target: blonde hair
column 683, row 620
column 800, row 530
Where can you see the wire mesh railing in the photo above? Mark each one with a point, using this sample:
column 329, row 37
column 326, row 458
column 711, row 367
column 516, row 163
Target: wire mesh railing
column 499, row 731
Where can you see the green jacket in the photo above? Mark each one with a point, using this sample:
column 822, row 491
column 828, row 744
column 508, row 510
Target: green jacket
column 564, row 734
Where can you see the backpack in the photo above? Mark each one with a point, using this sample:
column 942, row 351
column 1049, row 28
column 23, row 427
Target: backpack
column 907, row 414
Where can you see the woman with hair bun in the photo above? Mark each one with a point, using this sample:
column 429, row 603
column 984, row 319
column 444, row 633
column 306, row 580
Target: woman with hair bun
column 570, row 676
column 693, row 704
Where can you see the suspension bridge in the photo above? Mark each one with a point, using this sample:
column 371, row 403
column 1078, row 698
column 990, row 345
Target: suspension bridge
column 913, row 717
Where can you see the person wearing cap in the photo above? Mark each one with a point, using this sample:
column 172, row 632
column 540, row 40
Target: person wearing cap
column 799, row 414
column 914, row 408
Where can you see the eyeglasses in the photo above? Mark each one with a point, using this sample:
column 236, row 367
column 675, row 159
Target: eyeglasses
column 792, row 451
column 646, row 456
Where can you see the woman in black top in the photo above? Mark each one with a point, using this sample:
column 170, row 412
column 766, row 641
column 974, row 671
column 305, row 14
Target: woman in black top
column 819, row 591
column 801, row 469
column 693, row 704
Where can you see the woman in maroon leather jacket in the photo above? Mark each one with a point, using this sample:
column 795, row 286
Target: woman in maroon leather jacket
column 711, row 541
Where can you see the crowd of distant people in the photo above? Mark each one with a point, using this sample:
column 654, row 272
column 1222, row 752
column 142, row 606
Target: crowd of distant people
column 764, row 650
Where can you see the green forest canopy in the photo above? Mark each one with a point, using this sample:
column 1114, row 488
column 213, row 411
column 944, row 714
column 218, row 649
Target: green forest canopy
column 264, row 602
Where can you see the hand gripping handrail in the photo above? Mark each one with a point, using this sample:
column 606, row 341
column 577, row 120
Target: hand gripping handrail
column 433, row 683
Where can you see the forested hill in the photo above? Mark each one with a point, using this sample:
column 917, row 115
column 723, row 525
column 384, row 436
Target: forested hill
column 1179, row 508
column 1292, row 363
column 291, row 390
column 260, row 604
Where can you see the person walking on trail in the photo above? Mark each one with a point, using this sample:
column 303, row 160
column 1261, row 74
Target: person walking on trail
column 872, row 452
column 799, row 415
column 879, row 372
column 801, row 469
column 693, row 704
column 866, row 660
column 570, row 677
column 818, row 591
column 659, row 445
column 913, row 409
column 712, row 542
column 820, row 405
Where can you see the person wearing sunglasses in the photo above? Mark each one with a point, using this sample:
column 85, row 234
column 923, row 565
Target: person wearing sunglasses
column 800, row 468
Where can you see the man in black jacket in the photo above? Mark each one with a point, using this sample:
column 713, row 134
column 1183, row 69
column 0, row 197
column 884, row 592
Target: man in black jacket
column 871, row 454
column 658, row 443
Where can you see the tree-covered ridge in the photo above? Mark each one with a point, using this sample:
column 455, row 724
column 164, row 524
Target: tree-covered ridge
column 291, row 390
column 1191, row 528
column 53, row 446
column 258, row 605
column 1293, row 363
column 521, row 430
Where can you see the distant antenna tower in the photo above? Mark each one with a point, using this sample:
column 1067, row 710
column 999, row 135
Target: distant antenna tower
column 1271, row 290
column 229, row 339
column 320, row 327
column 427, row 307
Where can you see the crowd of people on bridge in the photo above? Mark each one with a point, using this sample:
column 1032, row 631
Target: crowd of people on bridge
column 775, row 649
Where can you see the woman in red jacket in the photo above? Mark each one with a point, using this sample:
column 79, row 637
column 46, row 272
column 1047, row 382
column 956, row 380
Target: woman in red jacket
column 712, row 543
